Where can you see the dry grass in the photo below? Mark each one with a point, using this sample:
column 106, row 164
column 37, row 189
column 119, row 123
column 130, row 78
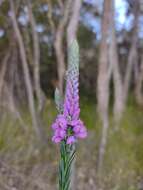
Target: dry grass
column 26, row 165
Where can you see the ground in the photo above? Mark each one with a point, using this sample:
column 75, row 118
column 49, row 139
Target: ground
column 27, row 165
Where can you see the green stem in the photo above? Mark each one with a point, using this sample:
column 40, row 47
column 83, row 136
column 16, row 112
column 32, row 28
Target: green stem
column 67, row 156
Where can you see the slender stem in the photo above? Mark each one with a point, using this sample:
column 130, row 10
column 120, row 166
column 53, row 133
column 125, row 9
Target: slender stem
column 67, row 157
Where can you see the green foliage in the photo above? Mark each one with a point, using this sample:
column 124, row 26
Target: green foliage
column 67, row 157
column 68, row 151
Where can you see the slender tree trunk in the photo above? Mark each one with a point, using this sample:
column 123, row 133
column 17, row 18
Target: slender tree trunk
column 58, row 42
column 74, row 20
column 36, row 59
column 114, row 61
column 1, row 1
column 3, row 70
column 50, row 18
column 138, row 87
column 121, row 87
column 6, row 88
column 103, row 82
column 60, row 59
column 59, row 46
column 26, row 72
column 132, row 54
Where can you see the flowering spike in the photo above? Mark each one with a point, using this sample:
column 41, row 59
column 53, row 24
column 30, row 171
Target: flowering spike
column 68, row 127
column 69, row 119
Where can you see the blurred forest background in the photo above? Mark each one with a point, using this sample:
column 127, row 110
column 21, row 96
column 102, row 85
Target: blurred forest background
column 33, row 58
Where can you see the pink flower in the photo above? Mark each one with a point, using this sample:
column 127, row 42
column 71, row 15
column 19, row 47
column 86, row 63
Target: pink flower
column 56, row 139
column 68, row 125
column 71, row 140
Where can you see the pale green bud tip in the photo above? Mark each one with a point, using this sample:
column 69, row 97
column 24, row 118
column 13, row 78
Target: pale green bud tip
column 58, row 99
column 74, row 46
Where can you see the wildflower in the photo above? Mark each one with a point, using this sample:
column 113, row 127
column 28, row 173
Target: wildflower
column 68, row 125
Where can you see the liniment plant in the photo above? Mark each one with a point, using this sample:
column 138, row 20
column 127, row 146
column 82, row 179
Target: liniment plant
column 68, row 127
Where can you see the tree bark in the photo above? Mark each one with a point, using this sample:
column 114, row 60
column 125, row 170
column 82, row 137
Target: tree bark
column 26, row 72
column 103, row 82
column 36, row 60
column 7, row 101
column 74, row 20
column 3, row 70
column 114, row 61
column 132, row 58
column 50, row 19
column 121, row 86
column 138, row 87
column 58, row 44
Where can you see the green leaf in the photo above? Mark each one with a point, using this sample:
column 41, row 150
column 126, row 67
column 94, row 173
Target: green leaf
column 67, row 157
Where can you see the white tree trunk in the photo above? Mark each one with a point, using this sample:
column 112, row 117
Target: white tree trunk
column 132, row 58
column 138, row 87
column 26, row 73
column 58, row 44
column 36, row 59
column 114, row 61
column 103, row 82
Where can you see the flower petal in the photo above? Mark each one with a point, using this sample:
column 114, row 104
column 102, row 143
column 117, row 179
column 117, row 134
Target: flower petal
column 56, row 139
column 71, row 140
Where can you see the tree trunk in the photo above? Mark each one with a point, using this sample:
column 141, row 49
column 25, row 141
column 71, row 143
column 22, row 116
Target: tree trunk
column 26, row 72
column 3, row 70
column 7, row 84
column 121, row 87
column 73, row 23
column 132, row 58
column 36, row 60
column 114, row 61
column 103, row 82
column 138, row 87
column 58, row 44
